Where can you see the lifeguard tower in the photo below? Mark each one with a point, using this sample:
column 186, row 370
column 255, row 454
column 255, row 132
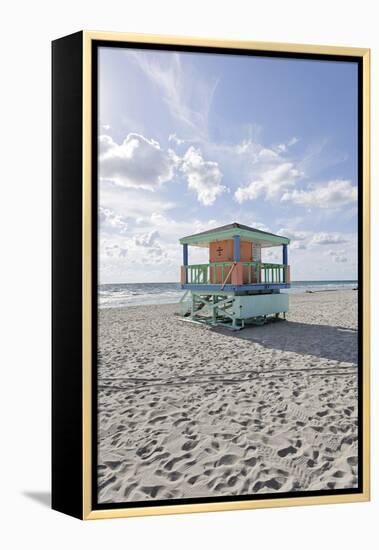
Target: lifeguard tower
column 235, row 287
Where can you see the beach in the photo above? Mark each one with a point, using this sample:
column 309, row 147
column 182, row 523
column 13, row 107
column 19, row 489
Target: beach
column 188, row 411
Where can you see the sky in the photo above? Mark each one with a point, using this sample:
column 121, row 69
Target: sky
column 192, row 141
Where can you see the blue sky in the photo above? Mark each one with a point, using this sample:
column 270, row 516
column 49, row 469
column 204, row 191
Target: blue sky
column 190, row 141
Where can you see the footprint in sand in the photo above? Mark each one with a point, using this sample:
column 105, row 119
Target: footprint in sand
column 152, row 491
column 148, row 451
column 287, row 451
column 171, row 463
column 251, row 461
column 113, row 464
column 189, row 445
column 174, row 476
column 158, row 419
column 107, row 482
column 232, row 481
column 192, row 480
column 227, row 460
column 129, row 489
column 352, row 460
column 339, row 474
column 274, row 484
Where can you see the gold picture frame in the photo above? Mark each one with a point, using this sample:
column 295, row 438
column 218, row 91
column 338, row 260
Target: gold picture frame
column 84, row 509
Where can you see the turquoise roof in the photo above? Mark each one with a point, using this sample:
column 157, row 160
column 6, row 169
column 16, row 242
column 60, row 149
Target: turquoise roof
column 264, row 238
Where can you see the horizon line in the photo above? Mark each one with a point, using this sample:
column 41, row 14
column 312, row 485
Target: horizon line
column 178, row 282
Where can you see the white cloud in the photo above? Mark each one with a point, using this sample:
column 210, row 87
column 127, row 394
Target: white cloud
column 334, row 194
column 251, row 152
column 276, row 179
column 204, row 177
column 298, row 245
column 172, row 230
column 328, row 239
column 111, row 222
column 113, row 250
column 301, row 240
column 246, row 147
column 270, row 173
column 271, row 184
column 141, row 163
column 338, row 257
column 131, row 203
column 147, row 239
column 273, row 255
column 283, row 147
column 298, row 238
column 293, row 234
column 138, row 162
column 174, row 139
column 292, row 141
column 260, row 226
column 141, row 249
column 187, row 94
column 266, row 154
column 153, row 248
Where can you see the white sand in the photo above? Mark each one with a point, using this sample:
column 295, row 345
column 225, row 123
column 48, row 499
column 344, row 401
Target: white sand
column 186, row 411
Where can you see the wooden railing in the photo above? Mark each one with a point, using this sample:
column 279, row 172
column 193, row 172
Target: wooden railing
column 270, row 273
column 253, row 273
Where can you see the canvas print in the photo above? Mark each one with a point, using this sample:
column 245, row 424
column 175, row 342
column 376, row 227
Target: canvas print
column 227, row 298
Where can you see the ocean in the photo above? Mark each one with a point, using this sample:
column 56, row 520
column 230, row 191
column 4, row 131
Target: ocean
column 135, row 294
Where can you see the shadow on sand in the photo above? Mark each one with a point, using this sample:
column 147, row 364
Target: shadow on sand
column 327, row 342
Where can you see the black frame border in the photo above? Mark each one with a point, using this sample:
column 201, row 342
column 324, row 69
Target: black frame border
column 67, row 253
